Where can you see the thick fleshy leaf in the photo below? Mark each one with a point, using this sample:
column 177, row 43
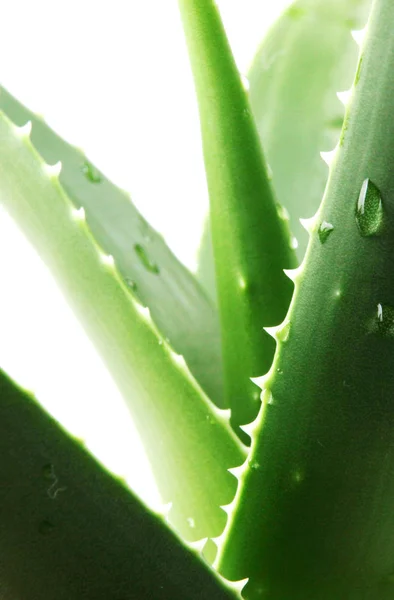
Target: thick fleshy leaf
column 251, row 241
column 70, row 529
column 188, row 440
column 306, row 58
column 314, row 514
column 178, row 305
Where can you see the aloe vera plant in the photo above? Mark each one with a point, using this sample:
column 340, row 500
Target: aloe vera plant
column 290, row 476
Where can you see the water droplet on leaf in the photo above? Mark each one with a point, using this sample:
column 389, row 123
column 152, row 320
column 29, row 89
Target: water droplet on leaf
column 132, row 284
column 253, row 464
column 283, row 212
column 369, row 209
column 325, row 231
column 145, row 260
column 90, row 172
column 385, row 320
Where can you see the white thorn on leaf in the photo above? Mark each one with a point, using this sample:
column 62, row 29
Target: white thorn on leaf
column 250, row 428
column 238, row 586
column 344, row 96
column 228, row 508
column 24, row 130
column 222, row 413
column 358, row 35
column 164, row 510
column 259, row 381
column 53, row 170
column 198, row 546
column 178, row 358
column 237, row 471
column 272, row 331
column 78, row 213
column 143, row 310
column 107, row 259
column 294, row 243
column 293, row 274
column 328, row 157
column 308, row 224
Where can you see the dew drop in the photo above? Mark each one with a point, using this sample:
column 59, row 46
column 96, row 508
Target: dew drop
column 279, row 371
column 132, row 284
column 369, row 209
column 253, row 464
column 325, row 231
column 293, row 243
column 245, row 82
column 267, row 397
column 385, row 320
column 191, row 522
column 283, row 212
column 145, row 260
column 90, row 172
column 46, row 527
column 298, row 476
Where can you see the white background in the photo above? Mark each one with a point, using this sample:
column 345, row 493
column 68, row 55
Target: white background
column 113, row 78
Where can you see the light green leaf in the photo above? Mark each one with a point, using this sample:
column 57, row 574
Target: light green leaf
column 306, row 58
column 188, row 441
column 178, row 305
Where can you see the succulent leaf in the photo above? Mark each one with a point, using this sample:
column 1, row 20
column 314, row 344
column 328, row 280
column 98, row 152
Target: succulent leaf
column 250, row 240
column 178, row 424
column 177, row 303
column 315, row 520
column 69, row 529
column 306, row 57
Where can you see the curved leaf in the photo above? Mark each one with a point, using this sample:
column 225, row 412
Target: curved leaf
column 306, row 58
column 69, row 529
column 177, row 423
column 321, row 480
column 178, row 305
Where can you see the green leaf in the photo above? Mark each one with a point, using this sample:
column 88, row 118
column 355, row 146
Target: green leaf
column 187, row 439
column 321, row 484
column 70, row 529
column 307, row 56
column 250, row 240
column 177, row 303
